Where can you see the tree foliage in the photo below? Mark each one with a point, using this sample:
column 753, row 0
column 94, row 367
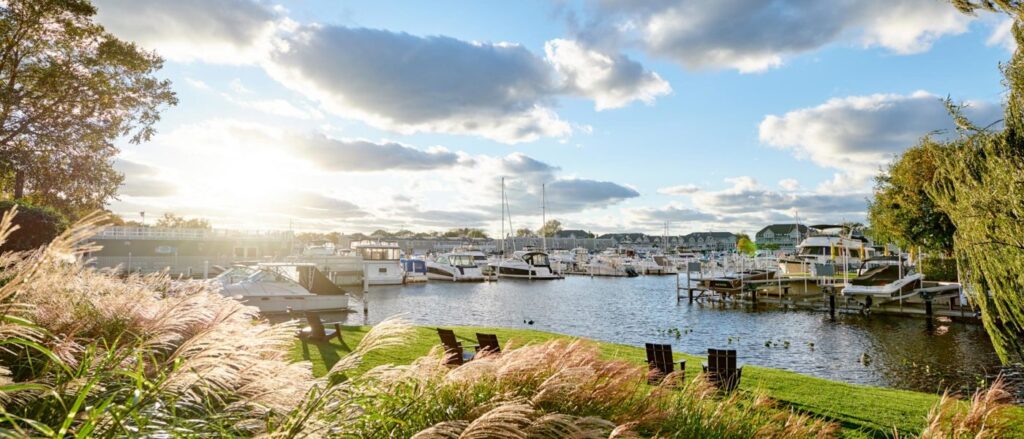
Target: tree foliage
column 172, row 221
column 744, row 245
column 525, row 233
column 37, row 226
column 902, row 212
column 465, row 232
column 550, row 228
column 68, row 90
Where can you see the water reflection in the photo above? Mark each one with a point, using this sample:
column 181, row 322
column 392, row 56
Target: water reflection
column 878, row 350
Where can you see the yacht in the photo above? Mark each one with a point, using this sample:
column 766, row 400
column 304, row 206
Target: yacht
column 883, row 279
column 282, row 287
column 341, row 267
column 455, row 267
column 381, row 262
column 525, row 264
column 608, row 263
column 415, row 269
column 827, row 245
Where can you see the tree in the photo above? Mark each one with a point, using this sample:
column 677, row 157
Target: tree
column 550, row 228
column 37, row 226
column 902, row 212
column 524, row 233
column 68, row 90
column 380, row 234
column 172, row 221
column 744, row 245
column 465, row 232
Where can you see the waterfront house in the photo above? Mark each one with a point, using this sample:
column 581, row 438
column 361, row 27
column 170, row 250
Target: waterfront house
column 785, row 236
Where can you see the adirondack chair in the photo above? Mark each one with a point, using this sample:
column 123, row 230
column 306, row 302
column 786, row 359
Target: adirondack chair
column 487, row 342
column 316, row 331
column 722, row 370
column 455, row 355
column 659, row 359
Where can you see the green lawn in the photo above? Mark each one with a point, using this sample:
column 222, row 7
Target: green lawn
column 863, row 411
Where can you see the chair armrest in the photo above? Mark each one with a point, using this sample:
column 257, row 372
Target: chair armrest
column 682, row 364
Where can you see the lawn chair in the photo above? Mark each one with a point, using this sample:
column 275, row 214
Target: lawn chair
column 316, row 331
column 721, row 369
column 488, row 343
column 659, row 359
column 455, row 355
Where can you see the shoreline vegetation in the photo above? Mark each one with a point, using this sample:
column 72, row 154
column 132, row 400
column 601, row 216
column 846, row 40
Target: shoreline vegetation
column 89, row 354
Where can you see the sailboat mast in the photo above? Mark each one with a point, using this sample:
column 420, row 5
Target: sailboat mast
column 503, row 237
column 543, row 218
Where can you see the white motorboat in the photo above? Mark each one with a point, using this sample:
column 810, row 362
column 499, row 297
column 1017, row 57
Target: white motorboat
column 609, row 264
column 883, row 279
column 525, row 264
column 827, row 246
column 454, row 267
column 381, row 262
column 283, row 287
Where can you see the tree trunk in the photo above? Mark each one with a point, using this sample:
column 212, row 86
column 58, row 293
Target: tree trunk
column 19, row 184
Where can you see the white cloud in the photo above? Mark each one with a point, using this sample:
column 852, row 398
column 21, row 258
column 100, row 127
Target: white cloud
column 142, row 180
column 746, row 198
column 755, row 36
column 612, row 81
column 682, row 189
column 789, row 184
column 859, row 134
column 1002, row 35
column 221, row 31
column 363, row 155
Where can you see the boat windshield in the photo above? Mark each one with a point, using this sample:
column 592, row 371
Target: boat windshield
column 462, row 260
column 379, row 253
column 814, row 251
column 539, row 259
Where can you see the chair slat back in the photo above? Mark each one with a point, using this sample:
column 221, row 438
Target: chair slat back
column 722, row 360
column 316, row 327
column 488, row 342
column 660, row 356
column 448, row 338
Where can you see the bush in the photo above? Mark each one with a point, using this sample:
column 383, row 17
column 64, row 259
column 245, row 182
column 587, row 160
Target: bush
column 939, row 269
column 37, row 225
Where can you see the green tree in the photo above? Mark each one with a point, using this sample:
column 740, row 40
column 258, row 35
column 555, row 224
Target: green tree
column 744, row 245
column 37, row 226
column 465, row 232
column 172, row 221
column 550, row 228
column 68, row 90
column 380, row 234
column 902, row 212
column 524, row 233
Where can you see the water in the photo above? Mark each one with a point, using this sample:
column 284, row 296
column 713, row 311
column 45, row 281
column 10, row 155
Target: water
column 888, row 351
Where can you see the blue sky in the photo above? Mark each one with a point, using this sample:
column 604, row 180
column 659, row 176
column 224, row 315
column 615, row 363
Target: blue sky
column 354, row 116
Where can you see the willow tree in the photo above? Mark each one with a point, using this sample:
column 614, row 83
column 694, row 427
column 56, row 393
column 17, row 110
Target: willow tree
column 979, row 184
column 68, row 91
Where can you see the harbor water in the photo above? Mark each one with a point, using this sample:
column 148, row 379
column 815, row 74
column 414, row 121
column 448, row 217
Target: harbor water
column 889, row 351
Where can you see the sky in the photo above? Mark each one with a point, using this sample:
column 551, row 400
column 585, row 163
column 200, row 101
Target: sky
column 633, row 116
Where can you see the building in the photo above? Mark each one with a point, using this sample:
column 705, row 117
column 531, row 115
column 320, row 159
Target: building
column 785, row 236
column 187, row 252
column 708, row 241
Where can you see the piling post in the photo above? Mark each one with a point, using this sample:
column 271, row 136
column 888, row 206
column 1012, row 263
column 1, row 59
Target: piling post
column 928, row 308
column 206, row 270
column 831, row 303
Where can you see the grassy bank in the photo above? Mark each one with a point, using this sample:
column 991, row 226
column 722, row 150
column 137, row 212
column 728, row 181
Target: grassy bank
column 862, row 411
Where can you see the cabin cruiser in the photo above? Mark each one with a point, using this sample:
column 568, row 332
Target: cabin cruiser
column 525, row 264
column 455, row 267
column 381, row 262
column 827, row 246
column 282, row 287
column 415, row 269
column 883, row 279
column 340, row 266
column 607, row 265
column 661, row 264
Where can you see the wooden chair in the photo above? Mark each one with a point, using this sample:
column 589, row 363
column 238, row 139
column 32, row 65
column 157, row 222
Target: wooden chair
column 659, row 359
column 455, row 355
column 722, row 370
column 316, row 331
column 487, row 342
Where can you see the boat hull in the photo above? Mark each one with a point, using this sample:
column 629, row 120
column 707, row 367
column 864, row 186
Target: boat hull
column 275, row 304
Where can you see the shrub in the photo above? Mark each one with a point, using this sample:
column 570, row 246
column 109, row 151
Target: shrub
column 939, row 269
column 37, row 226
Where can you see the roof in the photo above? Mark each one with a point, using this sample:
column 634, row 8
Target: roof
column 696, row 235
column 783, row 228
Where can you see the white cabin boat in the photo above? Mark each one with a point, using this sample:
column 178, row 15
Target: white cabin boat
column 282, row 287
column 883, row 279
column 381, row 262
column 525, row 264
column 454, row 267
column 826, row 249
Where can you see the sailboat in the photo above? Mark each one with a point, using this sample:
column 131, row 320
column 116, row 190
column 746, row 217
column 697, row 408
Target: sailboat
column 527, row 263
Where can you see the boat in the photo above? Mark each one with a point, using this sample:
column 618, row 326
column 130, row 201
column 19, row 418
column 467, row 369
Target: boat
column 525, row 264
column 735, row 281
column 454, row 267
column 827, row 245
column 282, row 287
column 344, row 268
column 608, row 263
column 883, row 279
column 381, row 262
column 415, row 270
